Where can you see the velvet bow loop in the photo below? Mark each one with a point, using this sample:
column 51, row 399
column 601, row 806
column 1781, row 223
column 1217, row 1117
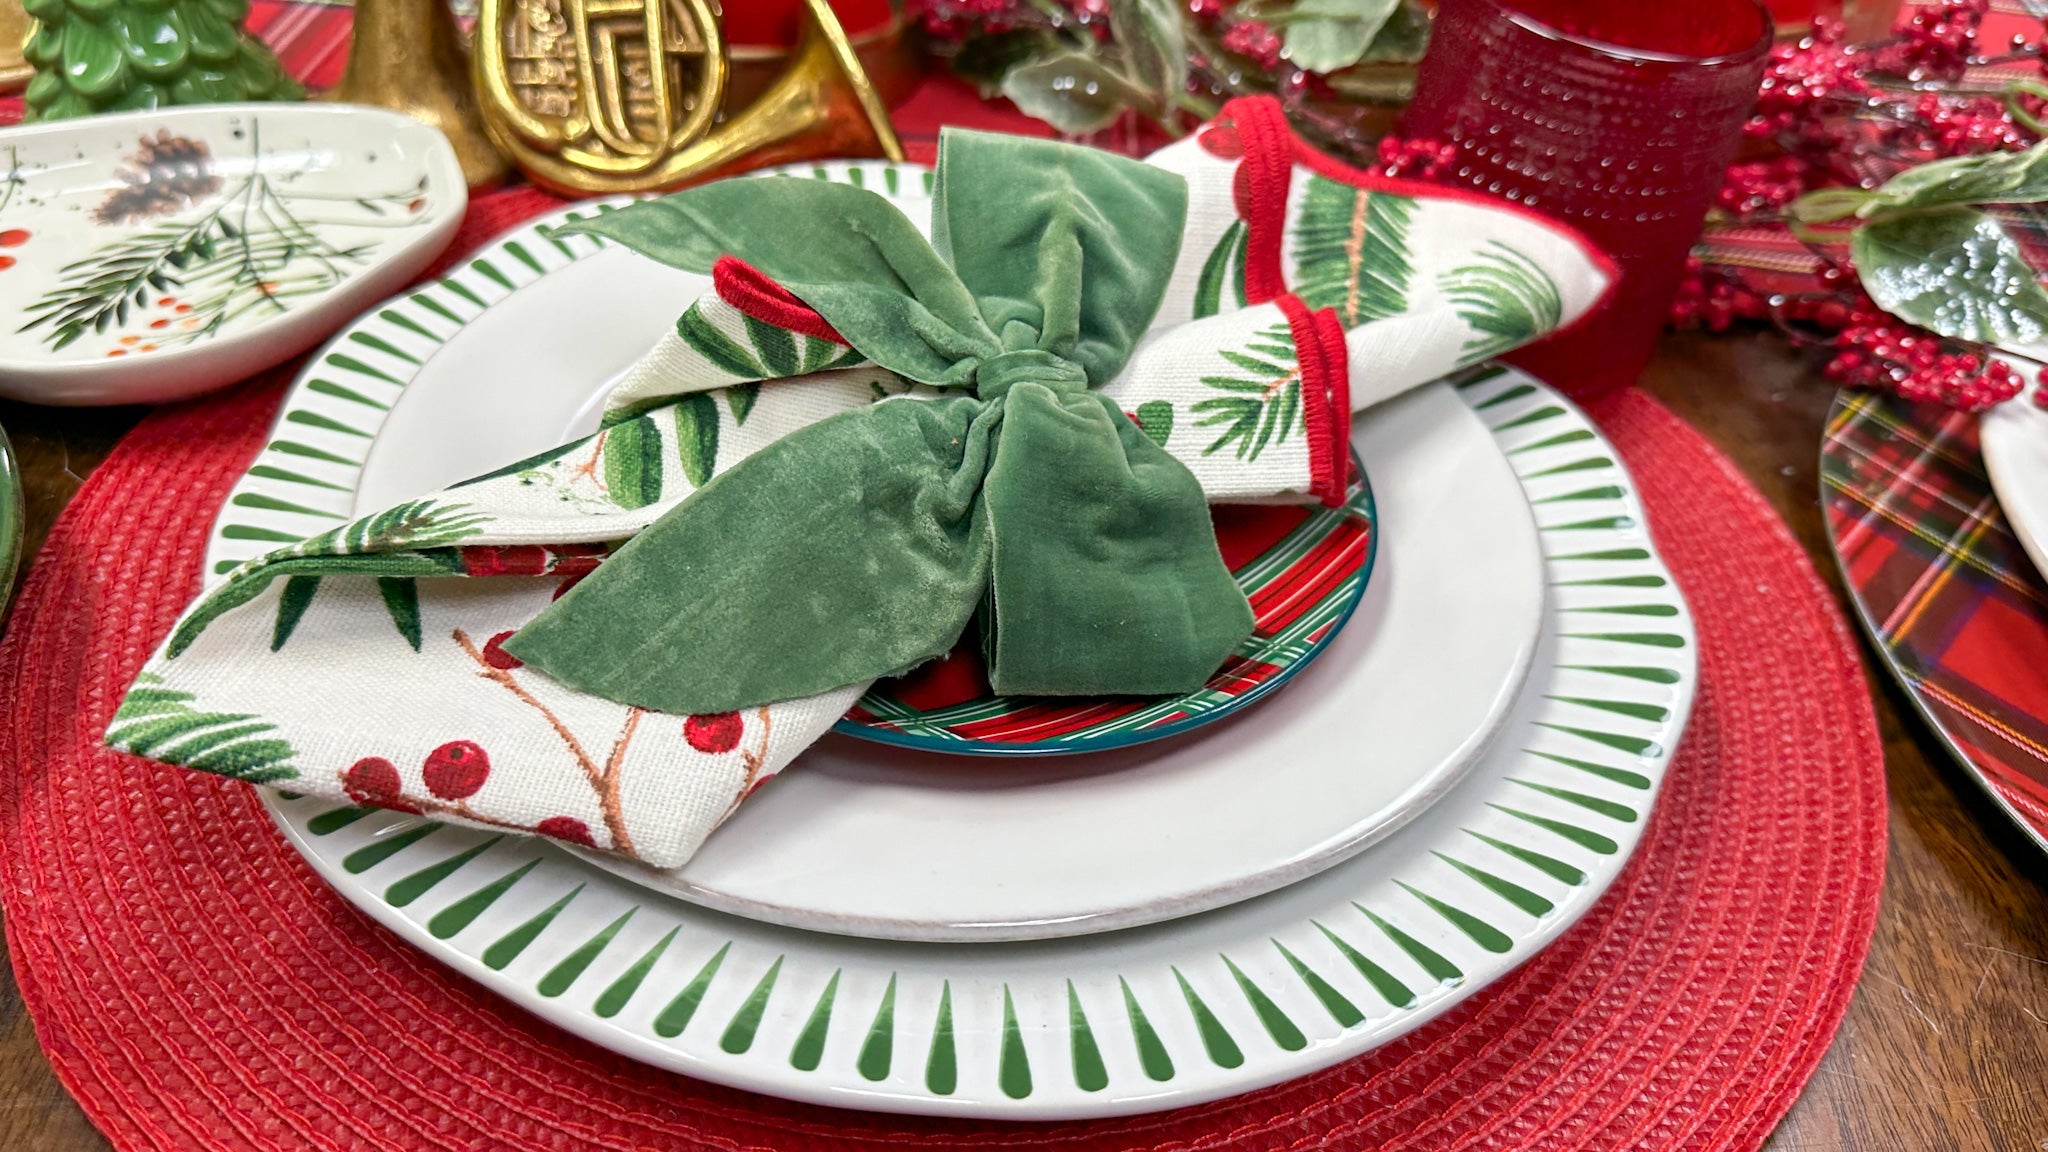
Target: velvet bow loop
column 863, row 545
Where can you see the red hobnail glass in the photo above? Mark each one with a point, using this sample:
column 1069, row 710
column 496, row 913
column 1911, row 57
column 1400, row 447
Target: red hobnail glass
column 1617, row 117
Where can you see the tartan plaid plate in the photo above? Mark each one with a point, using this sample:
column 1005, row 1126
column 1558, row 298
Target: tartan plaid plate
column 1943, row 587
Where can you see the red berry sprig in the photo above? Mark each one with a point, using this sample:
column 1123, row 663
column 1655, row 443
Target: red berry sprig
column 1875, row 350
column 1254, row 40
column 1762, row 185
column 452, row 773
column 1714, row 300
column 1945, row 125
column 566, row 828
column 1937, row 43
column 1819, row 73
column 1415, row 159
column 951, row 21
column 496, row 656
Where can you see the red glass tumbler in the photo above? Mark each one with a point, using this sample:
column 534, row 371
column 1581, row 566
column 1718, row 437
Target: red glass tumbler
column 1617, row 117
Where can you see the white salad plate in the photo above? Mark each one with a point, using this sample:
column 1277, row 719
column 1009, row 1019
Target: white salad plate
column 1145, row 1019
column 149, row 256
column 2014, row 439
column 891, row 843
column 886, row 842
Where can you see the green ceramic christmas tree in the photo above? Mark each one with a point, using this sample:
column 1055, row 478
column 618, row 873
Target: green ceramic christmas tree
column 115, row 55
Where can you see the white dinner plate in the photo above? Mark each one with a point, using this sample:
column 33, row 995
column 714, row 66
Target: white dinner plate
column 884, row 842
column 2014, row 439
column 512, row 354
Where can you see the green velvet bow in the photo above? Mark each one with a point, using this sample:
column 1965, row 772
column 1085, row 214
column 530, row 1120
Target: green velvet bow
column 864, row 545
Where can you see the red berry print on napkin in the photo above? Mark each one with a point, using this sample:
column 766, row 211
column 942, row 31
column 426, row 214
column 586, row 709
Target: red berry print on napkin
column 374, row 780
column 716, row 732
column 455, row 770
column 566, row 828
column 505, row 560
column 496, row 656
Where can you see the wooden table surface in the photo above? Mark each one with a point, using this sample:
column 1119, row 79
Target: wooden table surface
column 1945, row 1048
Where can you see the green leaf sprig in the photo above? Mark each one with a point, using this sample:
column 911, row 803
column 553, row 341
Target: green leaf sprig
column 1927, row 250
column 1078, row 90
column 1327, row 35
column 1080, row 85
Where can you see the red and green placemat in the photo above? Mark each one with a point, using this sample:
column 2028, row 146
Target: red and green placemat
column 1947, row 594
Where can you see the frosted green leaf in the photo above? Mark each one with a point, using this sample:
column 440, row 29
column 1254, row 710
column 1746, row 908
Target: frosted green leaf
column 1330, row 35
column 1155, row 50
column 1074, row 93
column 1954, row 270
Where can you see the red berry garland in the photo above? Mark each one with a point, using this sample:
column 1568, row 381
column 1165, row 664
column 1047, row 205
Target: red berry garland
column 1968, row 125
column 1761, row 185
column 1415, row 159
column 1873, row 350
column 1937, row 43
column 1256, row 41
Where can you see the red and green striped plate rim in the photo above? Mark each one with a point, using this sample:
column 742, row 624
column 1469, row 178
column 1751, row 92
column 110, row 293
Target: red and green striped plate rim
column 1304, row 569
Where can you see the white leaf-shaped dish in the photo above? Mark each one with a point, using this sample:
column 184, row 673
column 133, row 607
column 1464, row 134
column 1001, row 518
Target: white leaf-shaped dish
column 151, row 256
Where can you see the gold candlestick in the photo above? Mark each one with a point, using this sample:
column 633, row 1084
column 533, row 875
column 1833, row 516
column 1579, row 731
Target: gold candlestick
column 406, row 55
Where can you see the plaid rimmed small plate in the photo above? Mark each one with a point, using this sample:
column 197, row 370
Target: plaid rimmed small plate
column 1944, row 587
column 1304, row 570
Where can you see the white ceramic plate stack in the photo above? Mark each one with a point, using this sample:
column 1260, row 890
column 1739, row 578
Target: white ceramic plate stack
column 1449, row 786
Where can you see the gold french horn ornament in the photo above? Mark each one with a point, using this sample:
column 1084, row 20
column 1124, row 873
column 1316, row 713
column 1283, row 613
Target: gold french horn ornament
column 606, row 96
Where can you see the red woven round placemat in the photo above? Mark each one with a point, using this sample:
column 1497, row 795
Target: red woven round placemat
column 196, row 986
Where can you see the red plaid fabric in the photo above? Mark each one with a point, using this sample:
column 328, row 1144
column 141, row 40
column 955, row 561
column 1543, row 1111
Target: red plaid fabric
column 1943, row 587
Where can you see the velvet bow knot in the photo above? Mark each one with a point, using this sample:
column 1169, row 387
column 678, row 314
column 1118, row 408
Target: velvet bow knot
column 865, row 544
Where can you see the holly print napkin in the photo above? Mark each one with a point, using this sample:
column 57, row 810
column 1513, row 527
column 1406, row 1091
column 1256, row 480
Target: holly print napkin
column 1201, row 325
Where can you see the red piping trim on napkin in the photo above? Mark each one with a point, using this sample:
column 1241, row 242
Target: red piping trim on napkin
column 1260, row 190
column 1324, row 362
column 1330, row 331
column 750, row 290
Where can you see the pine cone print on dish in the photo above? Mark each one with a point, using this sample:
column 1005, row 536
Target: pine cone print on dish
column 167, row 174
